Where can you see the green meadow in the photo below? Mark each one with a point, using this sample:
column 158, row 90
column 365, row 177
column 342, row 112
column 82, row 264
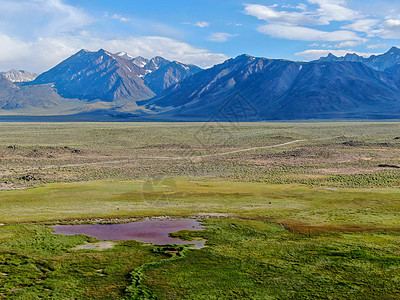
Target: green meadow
column 285, row 219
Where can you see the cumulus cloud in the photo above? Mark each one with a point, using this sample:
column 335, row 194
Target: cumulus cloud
column 363, row 25
column 335, row 10
column 118, row 17
column 35, row 35
column 297, row 25
column 272, row 15
column 377, row 46
column 320, row 13
column 234, row 24
column 390, row 29
column 202, row 24
column 327, row 11
column 44, row 17
column 347, row 44
column 44, row 53
column 220, row 37
column 316, row 54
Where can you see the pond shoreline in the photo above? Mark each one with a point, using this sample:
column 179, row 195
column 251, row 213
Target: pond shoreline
column 151, row 231
column 123, row 220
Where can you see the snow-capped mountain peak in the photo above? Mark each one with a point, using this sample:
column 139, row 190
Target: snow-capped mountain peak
column 19, row 75
column 125, row 55
column 141, row 62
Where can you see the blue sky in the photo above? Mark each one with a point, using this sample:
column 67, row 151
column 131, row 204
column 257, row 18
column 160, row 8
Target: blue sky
column 37, row 34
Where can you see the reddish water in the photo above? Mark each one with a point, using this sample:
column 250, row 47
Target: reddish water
column 147, row 231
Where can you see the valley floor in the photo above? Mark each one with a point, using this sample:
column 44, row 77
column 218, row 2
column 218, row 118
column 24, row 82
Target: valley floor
column 293, row 210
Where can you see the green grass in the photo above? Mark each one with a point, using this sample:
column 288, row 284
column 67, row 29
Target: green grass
column 313, row 220
column 333, row 154
column 244, row 259
column 248, row 259
column 35, row 264
column 313, row 206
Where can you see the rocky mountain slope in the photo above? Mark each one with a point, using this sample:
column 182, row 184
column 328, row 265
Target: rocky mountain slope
column 280, row 90
column 244, row 88
column 161, row 73
column 97, row 75
column 28, row 98
column 378, row 62
column 19, row 75
column 169, row 74
column 104, row 76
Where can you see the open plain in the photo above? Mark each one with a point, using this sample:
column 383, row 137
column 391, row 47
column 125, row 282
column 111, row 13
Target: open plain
column 292, row 210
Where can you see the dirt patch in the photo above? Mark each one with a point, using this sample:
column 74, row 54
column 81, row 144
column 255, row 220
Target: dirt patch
column 346, row 171
column 100, row 246
column 10, row 186
column 311, row 230
column 354, row 143
column 214, row 215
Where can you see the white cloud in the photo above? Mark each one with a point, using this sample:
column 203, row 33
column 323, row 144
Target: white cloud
column 316, row 54
column 327, row 11
column 298, row 22
column 271, row 15
column 45, row 17
column 35, row 35
column 45, row 53
column 307, row 34
column 347, row 44
column 118, row 17
column 202, row 24
column 302, row 6
column 234, row 24
column 363, row 25
column 220, row 37
column 390, row 29
column 377, row 46
column 335, row 10
column 297, row 25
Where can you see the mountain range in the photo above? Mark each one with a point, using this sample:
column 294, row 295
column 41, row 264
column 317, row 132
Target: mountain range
column 19, row 75
column 281, row 90
column 246, row 88
column 378, row 62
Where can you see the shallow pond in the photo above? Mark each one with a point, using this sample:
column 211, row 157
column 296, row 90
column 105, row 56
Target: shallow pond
column 154, row 231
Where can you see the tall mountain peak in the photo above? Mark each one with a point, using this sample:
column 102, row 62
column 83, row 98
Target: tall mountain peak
column 97, row 75
column 379, row 62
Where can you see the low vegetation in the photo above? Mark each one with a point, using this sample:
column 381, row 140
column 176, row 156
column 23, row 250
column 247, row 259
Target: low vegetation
column 314, row 219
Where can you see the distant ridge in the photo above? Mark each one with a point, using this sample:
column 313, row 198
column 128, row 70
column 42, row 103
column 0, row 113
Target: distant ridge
column 378, row 62
column 19, row 75
column 246, row 88
column 281, row 90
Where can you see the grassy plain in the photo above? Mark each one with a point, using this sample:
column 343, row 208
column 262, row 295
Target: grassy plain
column 334, row 154
column 314, row 219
